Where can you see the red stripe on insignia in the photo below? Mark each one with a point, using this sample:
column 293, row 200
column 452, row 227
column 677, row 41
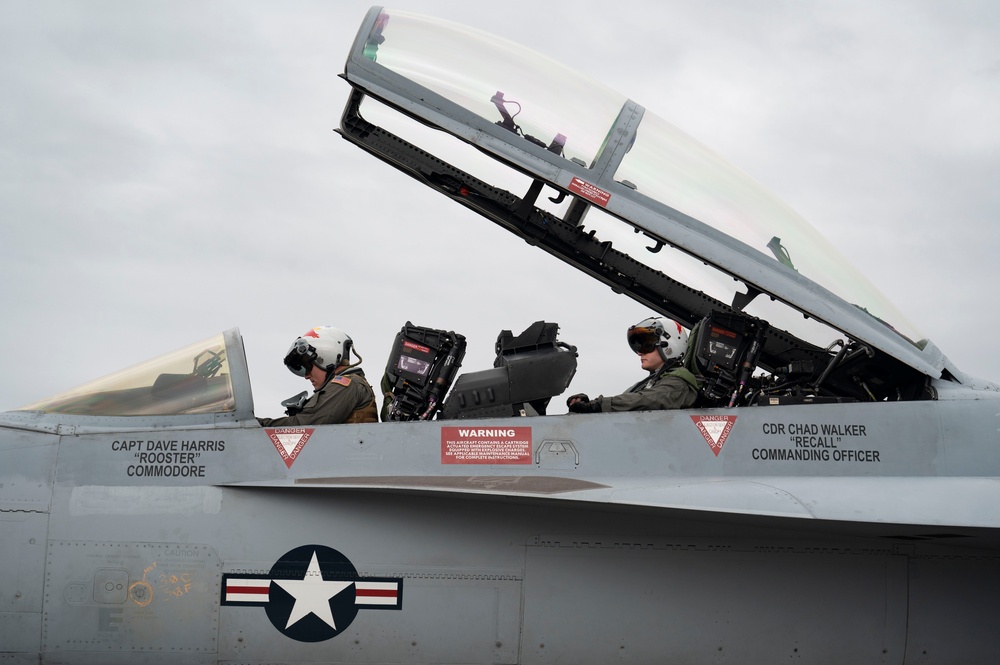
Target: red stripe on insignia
column 381, row 593
column 376, row 594
column 242, row 590
column 245, row 589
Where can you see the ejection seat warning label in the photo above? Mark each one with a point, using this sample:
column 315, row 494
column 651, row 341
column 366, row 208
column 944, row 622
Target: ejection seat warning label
column 715, row 430
column 479, row 445
column 289, row 441
column 587, row 191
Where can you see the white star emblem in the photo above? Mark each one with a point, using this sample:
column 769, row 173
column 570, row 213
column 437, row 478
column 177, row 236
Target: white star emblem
column 312, row 594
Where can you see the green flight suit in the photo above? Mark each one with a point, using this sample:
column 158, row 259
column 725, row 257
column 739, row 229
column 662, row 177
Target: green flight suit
column 665, row 389
column 344, row 398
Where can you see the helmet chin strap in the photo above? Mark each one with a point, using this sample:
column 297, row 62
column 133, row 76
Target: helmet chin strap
column 669, row 362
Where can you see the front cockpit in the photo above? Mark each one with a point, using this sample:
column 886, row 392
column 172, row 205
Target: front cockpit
column 208, row 381
column 195, row 380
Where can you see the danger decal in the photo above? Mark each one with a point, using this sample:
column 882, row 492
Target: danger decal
column 312, row 593
column 715, row 430
column 416, row 347
column 486, row 445
column 289, row 441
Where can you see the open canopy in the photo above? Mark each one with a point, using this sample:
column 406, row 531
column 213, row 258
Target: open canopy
column 706, row 221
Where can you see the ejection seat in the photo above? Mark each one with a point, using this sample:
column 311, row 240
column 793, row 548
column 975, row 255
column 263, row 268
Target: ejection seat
column 529, row 370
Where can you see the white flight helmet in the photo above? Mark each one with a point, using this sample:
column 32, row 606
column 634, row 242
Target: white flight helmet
column 325, row 347
column 659, row 333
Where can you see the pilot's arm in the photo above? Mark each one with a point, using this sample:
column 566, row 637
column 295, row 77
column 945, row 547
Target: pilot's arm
column 670, row 392
column 675, row 389
column 341, row 400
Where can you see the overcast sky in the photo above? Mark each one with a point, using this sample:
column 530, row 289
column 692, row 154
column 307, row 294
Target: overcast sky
column 169, row 171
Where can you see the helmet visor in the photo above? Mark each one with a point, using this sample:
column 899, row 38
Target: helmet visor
column 299, row 359
column 643, row 339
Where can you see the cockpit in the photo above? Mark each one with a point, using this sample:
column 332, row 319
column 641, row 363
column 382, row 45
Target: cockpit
column 210, row 378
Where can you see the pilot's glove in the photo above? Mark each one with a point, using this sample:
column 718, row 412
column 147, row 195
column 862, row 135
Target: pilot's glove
column 579, row 397
column 585, row 407
column 293, row 405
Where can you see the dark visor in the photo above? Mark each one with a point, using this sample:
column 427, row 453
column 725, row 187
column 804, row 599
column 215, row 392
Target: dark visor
column 643, row 340
column 300, row 358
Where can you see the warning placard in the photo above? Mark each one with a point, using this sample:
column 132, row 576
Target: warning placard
column 715, row 430
column 486, row 445
column 288, row 441
column 592, row 193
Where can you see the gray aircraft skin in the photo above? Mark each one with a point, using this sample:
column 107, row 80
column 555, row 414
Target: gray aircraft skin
column 839, row 507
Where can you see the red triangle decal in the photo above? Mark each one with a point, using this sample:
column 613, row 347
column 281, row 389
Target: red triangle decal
column 715, row 430
column 288, row 441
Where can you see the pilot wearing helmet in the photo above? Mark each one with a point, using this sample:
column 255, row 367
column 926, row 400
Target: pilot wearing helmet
column 660, row 343
column 342, row 394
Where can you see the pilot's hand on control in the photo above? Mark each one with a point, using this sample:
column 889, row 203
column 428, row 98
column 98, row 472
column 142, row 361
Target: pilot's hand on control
column 587, row 406
column 579, row 397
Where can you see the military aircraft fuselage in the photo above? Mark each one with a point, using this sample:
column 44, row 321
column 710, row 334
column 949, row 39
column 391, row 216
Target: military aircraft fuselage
column 752, row 534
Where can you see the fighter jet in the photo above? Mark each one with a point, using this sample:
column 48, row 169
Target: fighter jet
column 831, row 498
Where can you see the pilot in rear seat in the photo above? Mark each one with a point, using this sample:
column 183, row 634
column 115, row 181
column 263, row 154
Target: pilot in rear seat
column 342, row 394
column 660, row 343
